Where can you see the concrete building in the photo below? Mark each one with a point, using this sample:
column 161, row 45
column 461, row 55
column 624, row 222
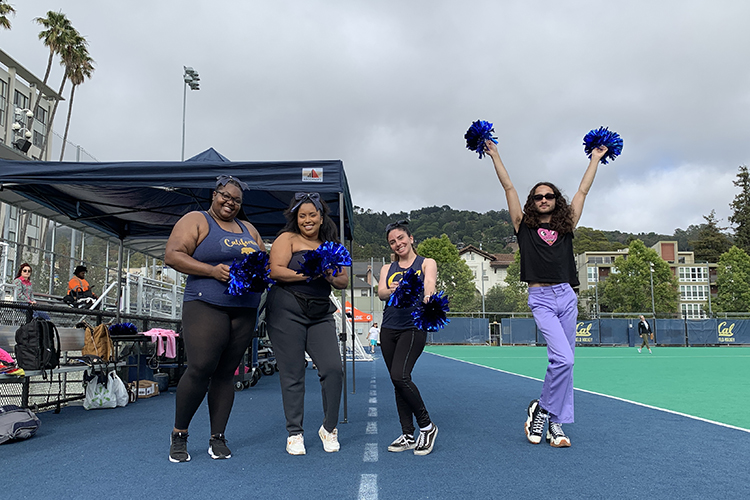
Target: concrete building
column 694, row 279
column 493, row 267
column 18, row 91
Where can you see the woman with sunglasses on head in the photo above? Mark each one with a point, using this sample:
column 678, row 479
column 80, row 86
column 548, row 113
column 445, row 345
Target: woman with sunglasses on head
column 401, row 342
column 217, row 327
column 544, row 228
column 23, row 291
column 299, row 318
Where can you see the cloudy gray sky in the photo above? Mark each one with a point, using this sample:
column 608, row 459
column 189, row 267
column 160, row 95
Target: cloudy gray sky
column 391, row 86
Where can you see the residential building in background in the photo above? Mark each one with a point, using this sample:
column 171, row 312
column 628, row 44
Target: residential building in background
column 697, row 281
column 492, row 267
column 18, row 90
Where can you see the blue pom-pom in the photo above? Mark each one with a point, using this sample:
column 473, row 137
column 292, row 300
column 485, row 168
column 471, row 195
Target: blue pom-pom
column 479, row 132
column 409, row 291
column 431, row 316
column 249, row 274
column 123, row 329
column 603, row 137
column 328, row 256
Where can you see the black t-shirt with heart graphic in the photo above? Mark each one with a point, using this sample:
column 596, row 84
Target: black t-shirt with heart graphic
column 546, row 255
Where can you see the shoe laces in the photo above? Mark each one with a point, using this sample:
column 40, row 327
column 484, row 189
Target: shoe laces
column 555, row 429
column 537, row 424
column 219, row 437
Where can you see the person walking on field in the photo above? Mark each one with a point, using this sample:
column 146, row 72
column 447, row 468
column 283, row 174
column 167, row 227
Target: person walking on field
column 644, row 330
column 373, row 337
column 544, row 228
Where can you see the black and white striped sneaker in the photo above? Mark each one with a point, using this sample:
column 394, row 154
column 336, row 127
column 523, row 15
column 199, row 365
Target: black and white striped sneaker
column 536, row 417
column 402, row 443
column 556, row 437
column 426, row 441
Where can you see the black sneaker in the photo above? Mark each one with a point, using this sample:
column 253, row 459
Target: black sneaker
column 536, row 417
column 178, row 447
column 217, row 447
column 426, row 441
column 556, row 437
column 402, row 443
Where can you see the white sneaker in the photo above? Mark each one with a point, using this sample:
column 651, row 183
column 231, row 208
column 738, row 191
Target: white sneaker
column 295, row 445
column 330, row 439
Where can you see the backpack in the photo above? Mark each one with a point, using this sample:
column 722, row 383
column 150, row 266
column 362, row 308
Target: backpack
column 38, row 345
column 97, row 342
column 17, row 423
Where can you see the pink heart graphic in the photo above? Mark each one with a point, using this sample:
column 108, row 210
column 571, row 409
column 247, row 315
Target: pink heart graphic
column 547, row 235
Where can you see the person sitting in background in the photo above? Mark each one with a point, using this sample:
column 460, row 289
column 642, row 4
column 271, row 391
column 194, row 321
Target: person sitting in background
column 79, row 290
column 22, row 288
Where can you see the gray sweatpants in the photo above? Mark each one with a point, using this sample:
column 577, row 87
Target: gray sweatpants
column 292, row 333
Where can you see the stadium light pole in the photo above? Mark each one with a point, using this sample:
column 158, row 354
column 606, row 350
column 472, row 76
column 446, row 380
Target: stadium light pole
column 191, row 79
column 651, row 270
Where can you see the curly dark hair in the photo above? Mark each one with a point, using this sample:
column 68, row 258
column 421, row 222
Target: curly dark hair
column 562, row 216
column 328, row 229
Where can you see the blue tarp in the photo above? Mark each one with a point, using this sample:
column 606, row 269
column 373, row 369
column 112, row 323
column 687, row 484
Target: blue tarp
column 670, row 332
column 139, row 202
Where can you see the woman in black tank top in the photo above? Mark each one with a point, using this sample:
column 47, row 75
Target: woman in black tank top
column 402, row 343
column 299, row 319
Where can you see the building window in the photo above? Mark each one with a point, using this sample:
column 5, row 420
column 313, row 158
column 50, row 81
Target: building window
column 591, row 273
column 38, row 139
column 693, row 274
column 692, row 311
column 600, row 260
column 21, row 100
column 3, row 101
column 693, row 292
column 41, row 115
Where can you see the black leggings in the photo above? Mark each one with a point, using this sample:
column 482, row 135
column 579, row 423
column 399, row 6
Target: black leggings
column 215, row 339
column 401, row 349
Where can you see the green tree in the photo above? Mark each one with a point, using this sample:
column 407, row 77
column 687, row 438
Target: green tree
column 741, row 209
column 629, row 289
column 711, row 241
column 592, row 240
column 516, row 291
column 498, row 299
column 78, row 67
column 57, row 33
column 5, row 10
column 733, row 281
column 454, row 276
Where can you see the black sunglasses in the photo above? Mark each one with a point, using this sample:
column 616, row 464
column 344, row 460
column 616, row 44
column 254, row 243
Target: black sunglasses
column 394, row 225
column 548, row 196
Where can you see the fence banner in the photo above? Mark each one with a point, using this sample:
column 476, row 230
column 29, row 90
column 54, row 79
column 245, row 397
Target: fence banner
column 670, row 332
column 614, row 331
column 587, row 332
column 702, row 331
column 462, row 331
column 719, row 331
column 520, row 330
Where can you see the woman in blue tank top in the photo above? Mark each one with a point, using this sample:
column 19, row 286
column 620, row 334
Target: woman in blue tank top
column 402, row 343
column 217, row 328
column 299, row 318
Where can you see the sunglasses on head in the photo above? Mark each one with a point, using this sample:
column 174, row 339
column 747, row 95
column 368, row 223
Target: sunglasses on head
column 394, row 225
column 548, row 196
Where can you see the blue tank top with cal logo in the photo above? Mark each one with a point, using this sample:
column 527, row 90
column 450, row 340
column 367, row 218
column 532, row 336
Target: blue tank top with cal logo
column 220, row 247
column 394, row 317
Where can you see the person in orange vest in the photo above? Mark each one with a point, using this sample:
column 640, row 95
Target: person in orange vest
column 79, row 289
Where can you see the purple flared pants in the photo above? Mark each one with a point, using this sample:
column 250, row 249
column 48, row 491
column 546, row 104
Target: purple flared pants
column 555, row 310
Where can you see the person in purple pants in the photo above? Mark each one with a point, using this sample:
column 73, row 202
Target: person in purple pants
column 544, row 229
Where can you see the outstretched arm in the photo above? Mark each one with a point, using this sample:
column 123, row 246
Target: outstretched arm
column 588, row 179
column 514, row 204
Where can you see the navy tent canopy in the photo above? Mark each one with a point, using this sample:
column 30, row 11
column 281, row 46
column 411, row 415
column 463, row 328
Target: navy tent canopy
column 139, row 202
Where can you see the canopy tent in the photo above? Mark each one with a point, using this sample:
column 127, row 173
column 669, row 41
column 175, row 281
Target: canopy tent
column 139, row 202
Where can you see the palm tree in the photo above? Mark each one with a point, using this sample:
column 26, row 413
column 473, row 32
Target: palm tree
column 68, row 56
column 5, row 9
column 58, row 34
column 81, row 68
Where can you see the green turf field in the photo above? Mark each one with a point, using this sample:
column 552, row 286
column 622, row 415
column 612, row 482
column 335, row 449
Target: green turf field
column 707, row 382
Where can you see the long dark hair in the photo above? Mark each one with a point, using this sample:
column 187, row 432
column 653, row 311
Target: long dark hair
column 562, row 216
column 18, row 274
column 328, row 229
